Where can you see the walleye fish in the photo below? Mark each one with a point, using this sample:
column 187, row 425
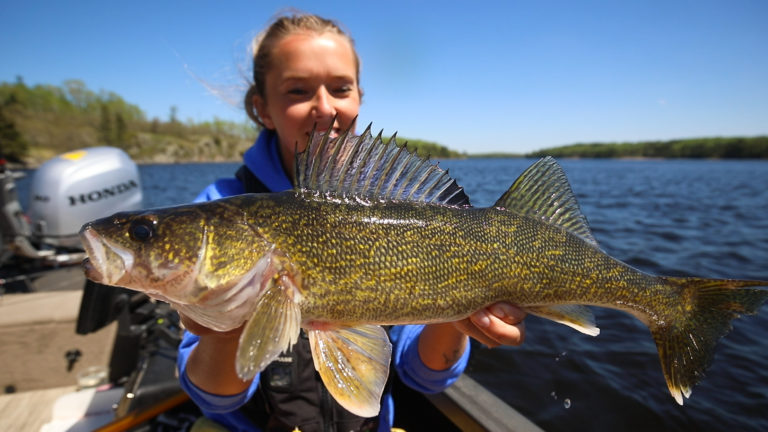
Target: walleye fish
column 374, row 235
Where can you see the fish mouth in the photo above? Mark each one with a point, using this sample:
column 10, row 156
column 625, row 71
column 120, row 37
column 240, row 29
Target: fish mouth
column 106, row 263
column 91, row 272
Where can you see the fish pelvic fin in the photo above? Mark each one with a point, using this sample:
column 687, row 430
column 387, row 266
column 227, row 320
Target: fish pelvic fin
column 543, row 192
column 353, row 363
column 686, row 345
column 575, row 316
column 273, row 328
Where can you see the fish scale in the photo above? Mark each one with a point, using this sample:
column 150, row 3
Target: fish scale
column 352, row 261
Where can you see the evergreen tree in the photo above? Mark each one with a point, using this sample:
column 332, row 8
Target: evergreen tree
column 12, row 145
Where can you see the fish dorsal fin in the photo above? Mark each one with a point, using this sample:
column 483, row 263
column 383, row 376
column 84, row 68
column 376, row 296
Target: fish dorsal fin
column 543, row 192
column 365, row 167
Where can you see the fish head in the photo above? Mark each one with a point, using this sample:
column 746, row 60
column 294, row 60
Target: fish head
column 178, row 254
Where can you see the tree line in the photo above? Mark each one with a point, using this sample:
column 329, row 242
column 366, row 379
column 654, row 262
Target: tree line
column 693, row 148
column 427, row 148
column 41, row 121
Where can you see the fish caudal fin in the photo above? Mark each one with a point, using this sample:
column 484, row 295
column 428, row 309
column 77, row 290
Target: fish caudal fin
column 353, row 363
column 686, row 346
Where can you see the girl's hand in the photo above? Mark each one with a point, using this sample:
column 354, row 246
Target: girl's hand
column 499, row 324
column 200, row 330
column 211, row 365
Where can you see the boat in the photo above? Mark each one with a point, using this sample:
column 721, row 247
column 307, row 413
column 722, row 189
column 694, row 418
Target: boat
column 81, row 356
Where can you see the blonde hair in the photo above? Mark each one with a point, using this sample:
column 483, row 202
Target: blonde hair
column 263, row 45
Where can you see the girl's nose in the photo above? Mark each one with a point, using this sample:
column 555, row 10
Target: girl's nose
column 324, row 103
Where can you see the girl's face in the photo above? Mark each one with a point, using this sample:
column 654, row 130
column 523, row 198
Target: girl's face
column 312, row 79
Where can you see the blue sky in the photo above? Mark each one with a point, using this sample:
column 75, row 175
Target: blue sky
column 474, row 76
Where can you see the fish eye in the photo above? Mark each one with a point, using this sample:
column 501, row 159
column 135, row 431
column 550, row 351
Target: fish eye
column 141, row 230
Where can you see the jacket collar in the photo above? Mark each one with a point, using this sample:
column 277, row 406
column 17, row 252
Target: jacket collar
column 264, row 161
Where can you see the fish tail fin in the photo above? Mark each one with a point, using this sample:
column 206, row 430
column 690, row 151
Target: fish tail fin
column 686, row 345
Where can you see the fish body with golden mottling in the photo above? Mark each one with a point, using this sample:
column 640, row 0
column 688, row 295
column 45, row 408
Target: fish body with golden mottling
column 404, row 263
column 372, row 236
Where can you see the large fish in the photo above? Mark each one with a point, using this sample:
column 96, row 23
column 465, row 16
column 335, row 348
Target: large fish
column 373, row 235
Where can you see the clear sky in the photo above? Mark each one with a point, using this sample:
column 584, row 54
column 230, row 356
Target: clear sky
column 509, row 76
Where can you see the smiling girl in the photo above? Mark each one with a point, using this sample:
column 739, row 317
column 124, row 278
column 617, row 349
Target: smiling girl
column 306, row 74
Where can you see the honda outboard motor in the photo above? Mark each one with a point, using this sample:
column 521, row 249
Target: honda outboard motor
column 76, row 187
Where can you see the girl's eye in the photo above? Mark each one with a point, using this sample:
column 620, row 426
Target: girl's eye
column 343, row 89
column 296, row 91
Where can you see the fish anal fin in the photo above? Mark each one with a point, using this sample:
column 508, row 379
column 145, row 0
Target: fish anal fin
column 353, row 363
column 272, row 328
column 575, row 316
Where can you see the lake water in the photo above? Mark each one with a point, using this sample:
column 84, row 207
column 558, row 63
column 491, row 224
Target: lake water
column 677, row 218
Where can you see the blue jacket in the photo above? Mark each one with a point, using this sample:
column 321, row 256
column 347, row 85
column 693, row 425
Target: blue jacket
column 263, row 160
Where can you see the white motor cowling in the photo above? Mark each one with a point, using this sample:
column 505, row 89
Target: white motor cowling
column 76, row 187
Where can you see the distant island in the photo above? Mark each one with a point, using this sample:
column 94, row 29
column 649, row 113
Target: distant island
column 693, row 148
column 40, row 122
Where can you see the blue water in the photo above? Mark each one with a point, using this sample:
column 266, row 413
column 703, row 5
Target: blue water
column 702, row 218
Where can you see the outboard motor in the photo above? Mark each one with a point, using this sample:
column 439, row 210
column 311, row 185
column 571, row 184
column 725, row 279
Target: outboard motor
column 76, row 187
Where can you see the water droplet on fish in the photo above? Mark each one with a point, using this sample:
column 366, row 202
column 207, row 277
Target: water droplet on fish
column 567, row 403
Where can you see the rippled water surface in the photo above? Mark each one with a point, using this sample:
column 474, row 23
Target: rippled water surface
column 702, row 218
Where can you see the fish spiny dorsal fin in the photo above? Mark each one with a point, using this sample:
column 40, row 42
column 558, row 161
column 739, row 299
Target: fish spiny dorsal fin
column 543, row 192
column 309, row 164
column 367, row 168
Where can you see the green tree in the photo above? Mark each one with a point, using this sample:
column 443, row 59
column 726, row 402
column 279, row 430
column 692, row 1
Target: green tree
column 12, row 145
column 121, row 131
column 105, row 126
column 79, row 95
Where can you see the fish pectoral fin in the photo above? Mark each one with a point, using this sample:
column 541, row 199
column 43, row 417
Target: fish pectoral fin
column 273, row 327
column 575, row 316
column 354, row 364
